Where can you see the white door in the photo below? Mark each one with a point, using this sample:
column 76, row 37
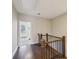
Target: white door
column 24, row 33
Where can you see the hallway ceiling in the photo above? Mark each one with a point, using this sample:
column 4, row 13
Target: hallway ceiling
column 42, row 8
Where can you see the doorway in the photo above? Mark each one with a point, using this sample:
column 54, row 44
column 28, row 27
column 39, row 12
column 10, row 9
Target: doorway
column 24, row 33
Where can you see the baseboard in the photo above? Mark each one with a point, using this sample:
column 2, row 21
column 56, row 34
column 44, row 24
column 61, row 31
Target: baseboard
column 14, row 51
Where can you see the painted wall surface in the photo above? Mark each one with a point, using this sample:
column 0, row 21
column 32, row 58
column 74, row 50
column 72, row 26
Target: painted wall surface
column 14, row 29
column 59, row 26
column 39, row 25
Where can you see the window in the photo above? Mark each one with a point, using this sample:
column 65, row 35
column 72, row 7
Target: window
column 25, row 28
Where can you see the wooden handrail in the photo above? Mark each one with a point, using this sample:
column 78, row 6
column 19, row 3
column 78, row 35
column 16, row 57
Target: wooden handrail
column 51, row 36
column 54, row 41
column 54, row 36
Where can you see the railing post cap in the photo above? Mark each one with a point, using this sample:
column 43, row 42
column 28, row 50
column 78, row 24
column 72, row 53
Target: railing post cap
column 63, row 36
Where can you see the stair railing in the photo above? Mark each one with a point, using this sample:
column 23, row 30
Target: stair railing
column 52, row 49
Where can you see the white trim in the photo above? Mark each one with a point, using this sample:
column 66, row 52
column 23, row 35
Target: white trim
column 14, row 51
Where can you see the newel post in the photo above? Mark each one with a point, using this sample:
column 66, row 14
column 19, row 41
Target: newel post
column 39, row 37
column 46, row 37
column 63, row 45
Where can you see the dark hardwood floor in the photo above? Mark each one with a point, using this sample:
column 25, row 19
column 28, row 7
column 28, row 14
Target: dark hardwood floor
column 28, row 52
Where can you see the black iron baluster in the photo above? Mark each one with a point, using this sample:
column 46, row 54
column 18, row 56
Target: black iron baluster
column 51, row 50
column 46, row 53
column 41, row 52
column 61, row 47
column 57, row 49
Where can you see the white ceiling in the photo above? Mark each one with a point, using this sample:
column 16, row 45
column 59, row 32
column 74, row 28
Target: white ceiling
column 46, row 8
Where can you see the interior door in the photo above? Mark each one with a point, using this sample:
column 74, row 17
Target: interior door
column 24, row 32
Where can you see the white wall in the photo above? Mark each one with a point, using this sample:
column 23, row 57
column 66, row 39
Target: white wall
column 14, row 29
column 59, row 26
column 39, row 25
